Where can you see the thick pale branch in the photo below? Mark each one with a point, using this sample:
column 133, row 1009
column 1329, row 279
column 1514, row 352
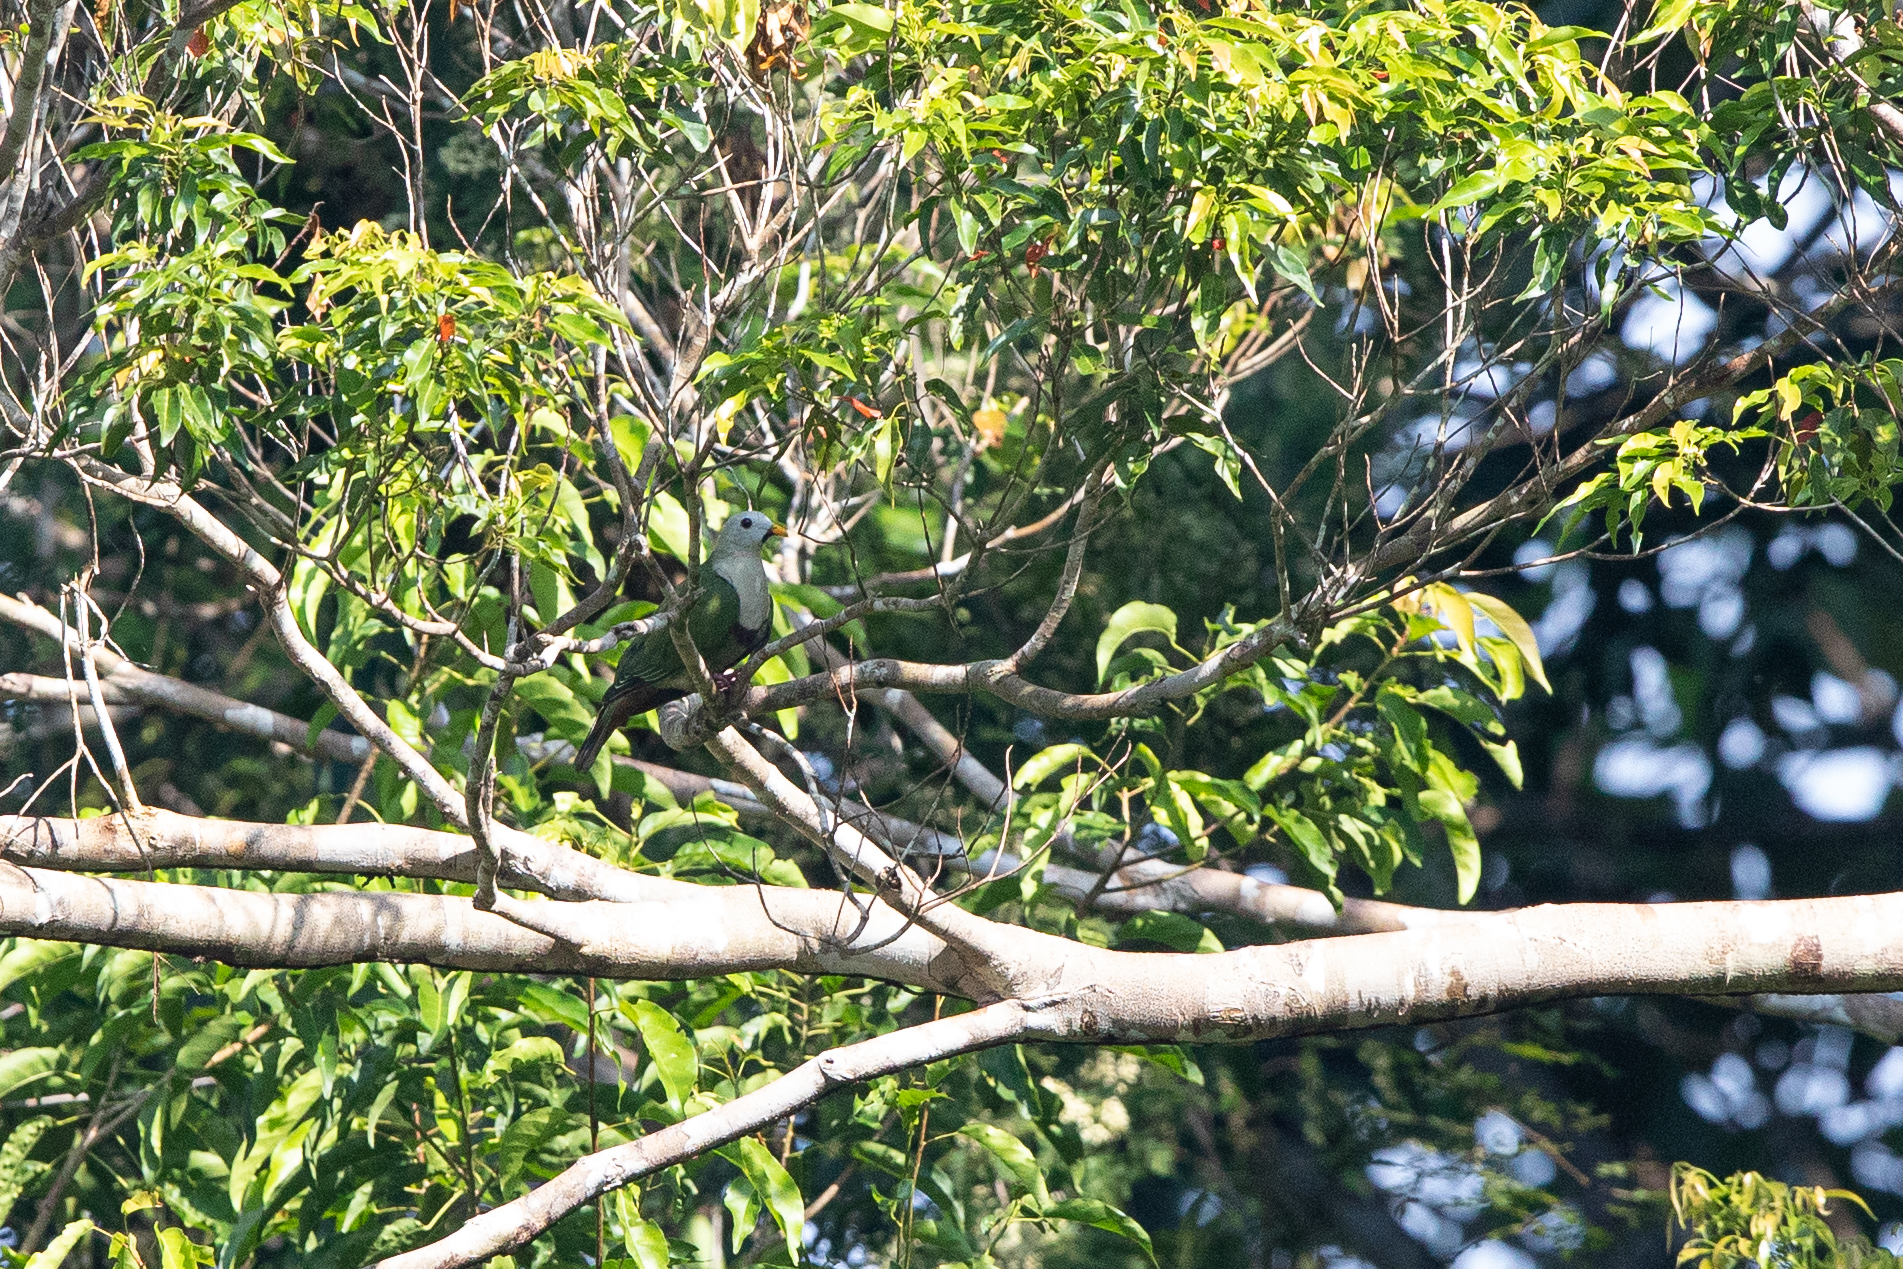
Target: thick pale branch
column 1508, row 959
column 153, row 838
column 1328, row 985
column 686, row 931
column 796, row 924
column 1481, row 965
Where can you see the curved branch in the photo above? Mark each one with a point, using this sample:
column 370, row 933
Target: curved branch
column 953, row 567
column 517, row 1222
column 996, row 678
column 915, row 718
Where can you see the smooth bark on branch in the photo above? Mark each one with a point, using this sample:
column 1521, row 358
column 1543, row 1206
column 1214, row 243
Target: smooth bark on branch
column 1545, row 953
column 793, row 919
column 514, row 1223
column 1792, row 946
column 694, row 931
column 1158, row 886
column 153, row 838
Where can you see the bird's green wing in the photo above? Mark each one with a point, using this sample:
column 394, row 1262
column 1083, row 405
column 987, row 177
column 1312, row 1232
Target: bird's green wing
column 654, row 662
column 713, row 622
column 649, row 663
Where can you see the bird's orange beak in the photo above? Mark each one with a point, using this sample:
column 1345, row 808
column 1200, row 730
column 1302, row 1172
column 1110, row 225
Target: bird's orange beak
column 777, row 531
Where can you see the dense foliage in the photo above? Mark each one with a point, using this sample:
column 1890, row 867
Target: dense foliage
column 1215, row 437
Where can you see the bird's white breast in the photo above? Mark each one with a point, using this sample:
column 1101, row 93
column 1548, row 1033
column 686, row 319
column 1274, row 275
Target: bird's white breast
column 748, row 579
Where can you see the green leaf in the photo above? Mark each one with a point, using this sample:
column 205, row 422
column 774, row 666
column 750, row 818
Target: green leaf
column 1012, row 1154
column 177, row 1250
column 548, row 696
column 866, row 15
column 61, row 1247
column 1667, row 18
column 1446, row 808
column 1040, row 767
column 1131, row 619
column 26, row 1066
column 1307, row 838
column 528, row 1050
column 1173, row 805
column 526, row 1136
column 1508, row 758
column 1102, row 1216
column 438, row 1008
column 34, row 956
column 16, row 1170
column 1515, row 628
column 646, row 1241
column 1172, row 929
column 773, row 1184
column 554, row 1008
column 1410, row 729
column 667, row 525
column 669, row 1048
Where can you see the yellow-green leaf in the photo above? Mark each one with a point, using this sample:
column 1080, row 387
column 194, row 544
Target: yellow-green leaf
column 1516, row 629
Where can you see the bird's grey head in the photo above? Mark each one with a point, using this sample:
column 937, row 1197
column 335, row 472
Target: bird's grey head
column 744, row 531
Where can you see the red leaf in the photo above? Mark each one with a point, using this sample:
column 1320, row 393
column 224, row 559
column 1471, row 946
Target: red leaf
column 1807, row 427
column 446, row 328
column 199, row 44
column 864, row 409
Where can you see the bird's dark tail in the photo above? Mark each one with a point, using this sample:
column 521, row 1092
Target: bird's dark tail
column 620, row 704
column 597, row 737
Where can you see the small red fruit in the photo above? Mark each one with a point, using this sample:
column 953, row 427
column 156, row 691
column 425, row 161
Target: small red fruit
column 1036, row 252
column 199, row 44
column 445, row 328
